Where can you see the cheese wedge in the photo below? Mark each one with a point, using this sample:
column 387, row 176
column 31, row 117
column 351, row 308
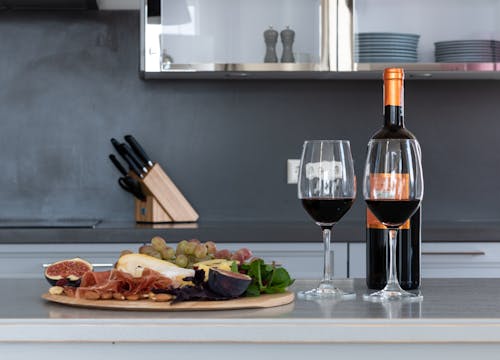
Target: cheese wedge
column 134, row 265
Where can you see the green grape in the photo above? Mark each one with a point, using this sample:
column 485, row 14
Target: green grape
column 158, row 243
column 181, row 247
column 181, row 260
column 200, row 251
column 189, row 249
column 149, row 250
column 167, row 253
column 155, row 254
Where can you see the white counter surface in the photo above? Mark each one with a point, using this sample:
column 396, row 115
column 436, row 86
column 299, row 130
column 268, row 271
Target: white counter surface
column 456, row 315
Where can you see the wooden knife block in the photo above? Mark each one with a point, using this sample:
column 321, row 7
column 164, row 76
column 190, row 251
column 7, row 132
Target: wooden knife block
column 164, row 201
column 150, row 211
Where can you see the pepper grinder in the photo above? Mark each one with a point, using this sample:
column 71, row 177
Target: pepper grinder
column 271, row 38
column 287, row 38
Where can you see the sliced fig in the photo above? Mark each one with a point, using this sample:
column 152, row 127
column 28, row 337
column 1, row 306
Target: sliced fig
column 228, row 283
column 71, row 271
column 206, row 265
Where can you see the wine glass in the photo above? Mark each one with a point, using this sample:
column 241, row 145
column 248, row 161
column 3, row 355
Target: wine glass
column 393, row 187
column 327, row 189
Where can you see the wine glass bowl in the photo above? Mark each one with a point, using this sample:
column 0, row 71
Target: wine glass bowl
column 327, row 189
column 393, row 188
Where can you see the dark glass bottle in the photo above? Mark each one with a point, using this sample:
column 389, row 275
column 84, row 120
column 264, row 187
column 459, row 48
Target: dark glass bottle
column 409, row 235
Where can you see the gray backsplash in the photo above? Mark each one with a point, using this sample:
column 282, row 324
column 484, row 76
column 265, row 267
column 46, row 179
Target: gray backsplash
column 69, row 82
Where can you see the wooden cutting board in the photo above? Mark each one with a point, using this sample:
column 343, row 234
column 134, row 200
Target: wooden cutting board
column 263, row 301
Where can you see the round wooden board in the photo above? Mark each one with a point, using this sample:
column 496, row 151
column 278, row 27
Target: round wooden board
column 262, row 301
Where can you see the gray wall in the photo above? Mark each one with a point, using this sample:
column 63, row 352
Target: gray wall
column 69, row 82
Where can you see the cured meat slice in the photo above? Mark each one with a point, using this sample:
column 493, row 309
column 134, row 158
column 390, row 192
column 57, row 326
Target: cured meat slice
column 93, row 278
column 105, row 283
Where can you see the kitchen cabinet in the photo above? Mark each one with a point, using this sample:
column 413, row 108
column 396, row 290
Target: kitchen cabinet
column 442, row 260
column 234, row 38
column 302, row 260
column 226, row 38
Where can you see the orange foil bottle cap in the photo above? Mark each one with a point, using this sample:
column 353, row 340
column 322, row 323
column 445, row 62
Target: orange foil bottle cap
column 393, row 86
column 394, row 74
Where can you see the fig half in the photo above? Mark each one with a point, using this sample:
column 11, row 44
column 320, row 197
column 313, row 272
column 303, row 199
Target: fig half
column 228, row 283
column 70, row 270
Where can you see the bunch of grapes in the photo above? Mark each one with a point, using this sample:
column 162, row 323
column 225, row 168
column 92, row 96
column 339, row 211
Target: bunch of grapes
column 189, row 252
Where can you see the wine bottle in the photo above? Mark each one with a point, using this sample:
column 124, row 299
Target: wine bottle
column 409, row 238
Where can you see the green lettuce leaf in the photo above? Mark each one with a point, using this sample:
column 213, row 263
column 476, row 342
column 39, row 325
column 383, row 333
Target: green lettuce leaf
column 266, row 278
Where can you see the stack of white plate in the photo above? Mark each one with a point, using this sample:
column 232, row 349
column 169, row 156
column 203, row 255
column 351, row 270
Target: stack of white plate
column 467, row 51
column 385, row 47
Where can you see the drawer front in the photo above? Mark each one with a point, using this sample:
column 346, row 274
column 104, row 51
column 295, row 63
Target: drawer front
column 303, row 260
column 26, row 261
column 460, row 260
column 442, row 260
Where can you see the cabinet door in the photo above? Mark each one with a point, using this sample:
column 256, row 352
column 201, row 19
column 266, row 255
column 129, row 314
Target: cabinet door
column 235, row 38
column 303, row 260
column 442, row 260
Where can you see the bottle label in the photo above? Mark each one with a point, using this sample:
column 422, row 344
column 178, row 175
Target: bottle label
column 387, row 186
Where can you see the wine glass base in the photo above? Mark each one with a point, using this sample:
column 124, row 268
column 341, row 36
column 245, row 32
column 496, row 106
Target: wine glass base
column 393, row 295
column 325, row 293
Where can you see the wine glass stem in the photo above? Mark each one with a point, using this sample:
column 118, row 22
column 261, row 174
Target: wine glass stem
column 392, row 281
column 328, row 261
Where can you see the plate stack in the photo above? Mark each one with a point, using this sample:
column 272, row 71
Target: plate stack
column 385, row 47
column 467, row 51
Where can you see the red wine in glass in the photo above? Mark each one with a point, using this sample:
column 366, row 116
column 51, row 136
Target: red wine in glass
column 327, row 211
column 393, row 212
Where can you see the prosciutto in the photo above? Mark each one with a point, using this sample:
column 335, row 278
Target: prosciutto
column 118, row 284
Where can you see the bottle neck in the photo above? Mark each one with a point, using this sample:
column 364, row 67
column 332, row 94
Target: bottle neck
column 393, row 117
column 393, row 103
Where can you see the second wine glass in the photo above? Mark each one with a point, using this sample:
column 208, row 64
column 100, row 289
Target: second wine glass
column 327, row 189
column 393, row 187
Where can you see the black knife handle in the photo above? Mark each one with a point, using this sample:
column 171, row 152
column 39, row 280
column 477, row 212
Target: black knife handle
column 118, row 165
column 116, row 145
column 134, row 158
column 139, row 150
column 127, row 155
column 132, row 165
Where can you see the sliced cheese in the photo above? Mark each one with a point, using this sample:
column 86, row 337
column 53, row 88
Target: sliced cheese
column 134, row 264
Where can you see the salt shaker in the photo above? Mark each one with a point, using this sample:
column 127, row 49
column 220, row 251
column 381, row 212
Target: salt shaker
column 271, row 38
column 287, row 38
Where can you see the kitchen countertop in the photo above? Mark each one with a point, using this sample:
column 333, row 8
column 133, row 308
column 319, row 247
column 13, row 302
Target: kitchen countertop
column 240, row 232
column 457, row 313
